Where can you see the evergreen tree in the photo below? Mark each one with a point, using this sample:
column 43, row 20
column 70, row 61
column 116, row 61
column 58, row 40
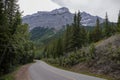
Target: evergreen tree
column 78, row 19
column 118, row 23
column 15, row 47
column 51, row 50
column 17, row 21
column 76, row 36
column 73, row 35
column 44, row 52
column 59, row 47
column 119, row 19
column 4, row 36
column 55, row 49
column 89, row 37
column 97, row 31
column 75, row 20
column 67, row 39
column 113, row 29
column 84, row 36
column 1, row 12
column 11, row 7
column 106, row 27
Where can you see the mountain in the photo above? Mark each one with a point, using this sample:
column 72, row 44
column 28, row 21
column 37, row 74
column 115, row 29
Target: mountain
column 57, row 19
column 43, row 25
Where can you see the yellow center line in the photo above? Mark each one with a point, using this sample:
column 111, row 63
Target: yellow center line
column 61, row 74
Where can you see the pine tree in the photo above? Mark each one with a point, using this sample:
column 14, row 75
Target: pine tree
column 97, row 31
column 89, row 37
column 72, row 36
column 11, row 8
column 106, row 27
column 78, row 19
column 119, row 19
column 4, row 35
column 75, row 20
column 59, row 47
column 17, row 21
column 55, row 49
column 113, row 29
column 96, row 34
column 76, row 36
column 15, row 47
column 44, row 52
column 67, row 39
column 118, row 23
column 1, row 12
column 84, row 36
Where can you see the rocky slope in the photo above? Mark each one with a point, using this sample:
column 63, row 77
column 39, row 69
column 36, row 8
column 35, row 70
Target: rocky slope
column 106, row 57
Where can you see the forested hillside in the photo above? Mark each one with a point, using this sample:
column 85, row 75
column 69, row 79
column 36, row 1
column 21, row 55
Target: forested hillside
column 15, row 45
column 42, row 36
column 91, row 48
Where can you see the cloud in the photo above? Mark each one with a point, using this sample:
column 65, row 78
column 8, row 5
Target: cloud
column 94, row 7
column 30, row 7
column 62, row 2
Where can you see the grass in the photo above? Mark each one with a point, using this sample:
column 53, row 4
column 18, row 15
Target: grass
column 86, row 72
column 10, row 76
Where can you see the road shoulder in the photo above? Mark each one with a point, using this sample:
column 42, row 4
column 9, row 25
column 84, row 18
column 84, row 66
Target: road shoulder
column 22, row 73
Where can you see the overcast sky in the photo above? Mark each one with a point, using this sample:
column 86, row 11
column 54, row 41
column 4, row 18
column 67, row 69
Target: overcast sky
column 94, row 7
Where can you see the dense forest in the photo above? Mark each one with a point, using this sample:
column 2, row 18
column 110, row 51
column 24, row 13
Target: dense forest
column 15, row 46
column 76, row 36
column 80, row 45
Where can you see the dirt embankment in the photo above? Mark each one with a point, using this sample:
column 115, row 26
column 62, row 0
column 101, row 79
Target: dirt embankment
column 22, row 73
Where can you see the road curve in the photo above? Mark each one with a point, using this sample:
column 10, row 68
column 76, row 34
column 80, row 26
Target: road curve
column 42, row 71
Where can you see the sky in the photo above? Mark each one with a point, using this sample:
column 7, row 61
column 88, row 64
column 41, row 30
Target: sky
column 94, row 7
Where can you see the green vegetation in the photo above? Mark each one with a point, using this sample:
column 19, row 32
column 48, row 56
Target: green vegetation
column 7, row 77
column 42, row 36
column 80, row 71
column 15, row 45
column 11, row 75
column 91, row 48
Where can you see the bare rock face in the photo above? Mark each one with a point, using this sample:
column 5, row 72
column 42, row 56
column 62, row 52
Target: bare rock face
column 57, row 19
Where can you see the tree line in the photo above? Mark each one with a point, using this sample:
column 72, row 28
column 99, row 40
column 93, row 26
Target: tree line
column 90, row 49
column 15, row 46
column 76, row 36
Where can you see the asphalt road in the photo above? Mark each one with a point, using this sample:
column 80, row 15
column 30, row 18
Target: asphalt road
column 42, row 71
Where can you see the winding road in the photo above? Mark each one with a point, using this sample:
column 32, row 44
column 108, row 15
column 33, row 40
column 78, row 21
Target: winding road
column 42, row 71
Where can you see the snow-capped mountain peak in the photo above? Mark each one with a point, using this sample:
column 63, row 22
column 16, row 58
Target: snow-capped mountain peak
column 57, row 19
column 60, row 10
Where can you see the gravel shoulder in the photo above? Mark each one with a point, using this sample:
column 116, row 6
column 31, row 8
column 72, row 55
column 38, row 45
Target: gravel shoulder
column 23, row 73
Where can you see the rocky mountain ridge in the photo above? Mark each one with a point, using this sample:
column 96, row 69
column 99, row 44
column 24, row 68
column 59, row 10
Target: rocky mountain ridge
column 57, row 19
